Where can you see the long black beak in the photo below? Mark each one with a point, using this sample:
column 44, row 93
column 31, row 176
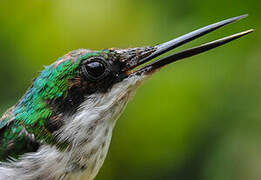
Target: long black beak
column 167, row 46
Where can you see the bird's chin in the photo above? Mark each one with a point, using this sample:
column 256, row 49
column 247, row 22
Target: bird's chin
column 130, row 84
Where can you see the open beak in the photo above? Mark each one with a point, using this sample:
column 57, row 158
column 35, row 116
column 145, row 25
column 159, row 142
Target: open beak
column 160, row 49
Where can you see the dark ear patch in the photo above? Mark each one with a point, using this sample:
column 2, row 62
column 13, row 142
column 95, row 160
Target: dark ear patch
column 70, row 101
column 53, row 124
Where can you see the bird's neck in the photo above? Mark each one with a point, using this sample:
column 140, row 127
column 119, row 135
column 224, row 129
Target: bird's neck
column 92, row 129
column 89, row 131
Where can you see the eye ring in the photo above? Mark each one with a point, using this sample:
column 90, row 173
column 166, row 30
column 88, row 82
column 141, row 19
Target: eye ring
column 103, row 66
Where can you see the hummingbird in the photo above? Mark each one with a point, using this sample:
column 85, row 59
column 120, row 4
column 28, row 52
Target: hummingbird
column 62, row 127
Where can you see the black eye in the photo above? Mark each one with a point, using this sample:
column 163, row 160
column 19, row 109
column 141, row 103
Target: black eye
column 94, row 68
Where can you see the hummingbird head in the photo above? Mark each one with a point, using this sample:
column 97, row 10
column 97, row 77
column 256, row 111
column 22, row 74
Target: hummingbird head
column 98, row 84
column 84, row 74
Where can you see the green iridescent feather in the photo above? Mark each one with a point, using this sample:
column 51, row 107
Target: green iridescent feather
column 32, row 111
column 12, row 141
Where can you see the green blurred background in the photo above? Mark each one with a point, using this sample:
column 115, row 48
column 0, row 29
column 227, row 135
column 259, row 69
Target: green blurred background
column 196, row 119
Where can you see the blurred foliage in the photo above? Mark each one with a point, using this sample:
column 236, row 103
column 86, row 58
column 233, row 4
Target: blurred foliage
column 196, row 119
